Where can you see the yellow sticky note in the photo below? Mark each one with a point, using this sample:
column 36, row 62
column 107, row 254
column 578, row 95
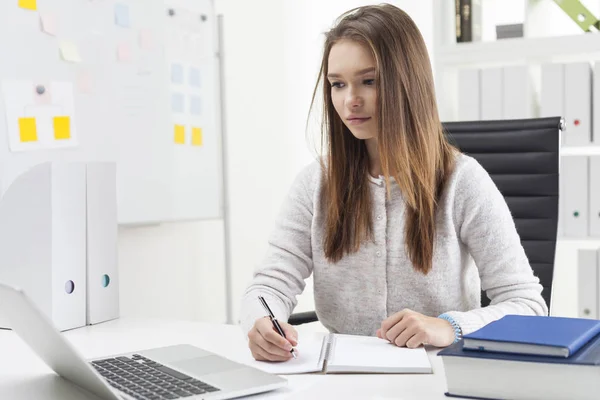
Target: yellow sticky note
column 196, row 136
column 62, row 128
column 179, row 134
column 27, row 130
column 28, row 4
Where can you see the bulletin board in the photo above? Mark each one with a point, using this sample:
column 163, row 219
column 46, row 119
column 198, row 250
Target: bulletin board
column 130, row 81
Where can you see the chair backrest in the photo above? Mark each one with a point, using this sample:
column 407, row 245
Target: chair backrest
column 522, row 158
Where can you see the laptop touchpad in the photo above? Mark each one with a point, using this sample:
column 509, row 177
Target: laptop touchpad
column 205, row 365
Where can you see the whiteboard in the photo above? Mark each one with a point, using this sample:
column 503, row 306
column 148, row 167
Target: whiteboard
column 134, row 81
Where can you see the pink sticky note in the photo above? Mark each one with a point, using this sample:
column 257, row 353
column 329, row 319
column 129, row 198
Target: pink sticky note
column 146, row 40
column 48, row 24
column 84, row 82
column 124, row 52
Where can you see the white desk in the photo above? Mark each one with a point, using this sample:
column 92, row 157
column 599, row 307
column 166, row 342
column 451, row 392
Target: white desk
column 24, row 376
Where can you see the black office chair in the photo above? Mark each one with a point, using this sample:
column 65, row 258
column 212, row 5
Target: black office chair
column 522, row 158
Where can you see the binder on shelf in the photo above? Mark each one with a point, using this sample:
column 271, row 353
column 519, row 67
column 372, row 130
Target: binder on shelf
column 596, row 104
column 578, row 104
column 598, row 281
column 587, row 278
column 469, row 99
column 102, row 260
column 491, row 93
column 574, row 191
column 517, row 97
column 42, row 240
column 552, row 93
column 594, row 187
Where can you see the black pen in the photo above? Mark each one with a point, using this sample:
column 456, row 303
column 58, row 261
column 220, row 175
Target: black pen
column 274, row 320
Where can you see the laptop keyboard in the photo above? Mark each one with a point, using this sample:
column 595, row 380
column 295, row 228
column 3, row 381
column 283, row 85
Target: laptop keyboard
column 144, row 379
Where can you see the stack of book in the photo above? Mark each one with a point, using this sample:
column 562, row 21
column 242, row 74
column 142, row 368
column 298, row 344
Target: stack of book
column 526, row 357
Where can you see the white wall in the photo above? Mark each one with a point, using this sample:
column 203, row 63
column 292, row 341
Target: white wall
column 173, row 271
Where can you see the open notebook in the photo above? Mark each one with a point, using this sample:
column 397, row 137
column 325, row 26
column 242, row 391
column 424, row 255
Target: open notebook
column 337, row 353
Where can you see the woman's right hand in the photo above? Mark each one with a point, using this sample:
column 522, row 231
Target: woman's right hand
column 266, row 344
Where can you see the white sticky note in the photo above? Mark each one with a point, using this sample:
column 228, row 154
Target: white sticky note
column 195, row 105
column 48, row 24
column 177, row 102
column 21, row 110
column 177, row 73
column 194, row 77
column 122, row 15
column 70, row 52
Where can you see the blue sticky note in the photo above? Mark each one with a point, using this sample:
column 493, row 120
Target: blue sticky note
column 194, row 77
column 195, row 105
column 122, row 15
column 177, row 73
column 177, row 102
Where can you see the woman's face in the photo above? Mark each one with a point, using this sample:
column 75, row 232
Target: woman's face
column 353, row 92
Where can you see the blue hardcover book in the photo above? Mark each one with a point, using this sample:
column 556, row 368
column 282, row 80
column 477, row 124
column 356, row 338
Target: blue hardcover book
column 491, row 375
column 536, row 335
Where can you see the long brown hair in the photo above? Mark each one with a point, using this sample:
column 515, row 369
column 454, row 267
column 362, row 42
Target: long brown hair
column 412, row 146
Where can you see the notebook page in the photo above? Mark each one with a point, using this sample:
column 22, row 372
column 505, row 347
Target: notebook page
column 351, row 353
column 308, row 350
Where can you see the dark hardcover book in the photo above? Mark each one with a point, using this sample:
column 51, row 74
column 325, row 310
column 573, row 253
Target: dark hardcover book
column 457, row 20
column 466, row 28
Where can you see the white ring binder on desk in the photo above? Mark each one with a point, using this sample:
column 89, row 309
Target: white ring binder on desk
column 42, row 240
column 102, row 259
column 58, row 241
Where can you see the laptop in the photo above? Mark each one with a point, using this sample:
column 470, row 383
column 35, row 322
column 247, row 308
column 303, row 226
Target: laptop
column 173, row 372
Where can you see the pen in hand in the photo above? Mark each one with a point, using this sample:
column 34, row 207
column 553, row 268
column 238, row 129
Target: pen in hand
column 274, row 320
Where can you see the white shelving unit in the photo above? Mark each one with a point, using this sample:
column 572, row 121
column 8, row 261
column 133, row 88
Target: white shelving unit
column 517, row 50
column 449, row 57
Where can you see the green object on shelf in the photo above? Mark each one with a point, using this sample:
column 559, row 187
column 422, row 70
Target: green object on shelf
column 576, row 214
column 579, row 13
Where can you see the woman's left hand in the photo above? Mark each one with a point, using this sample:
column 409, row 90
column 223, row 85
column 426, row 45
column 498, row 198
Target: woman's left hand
column 412, row 329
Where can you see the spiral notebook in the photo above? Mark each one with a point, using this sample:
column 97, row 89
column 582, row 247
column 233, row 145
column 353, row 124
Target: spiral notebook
column 338, row 353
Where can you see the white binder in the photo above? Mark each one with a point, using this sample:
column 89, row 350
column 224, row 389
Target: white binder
column 102, row 260
column 491, row 93
column 578, row 104
column 587, row 293
column 598, row 281
column 596, row 105
column 552, row 96
column 594, row 187
column 517, row 100
column 575, row 194
column 469, row 100
column 42, row 240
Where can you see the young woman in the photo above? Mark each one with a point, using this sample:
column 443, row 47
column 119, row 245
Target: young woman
column 400, row 230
